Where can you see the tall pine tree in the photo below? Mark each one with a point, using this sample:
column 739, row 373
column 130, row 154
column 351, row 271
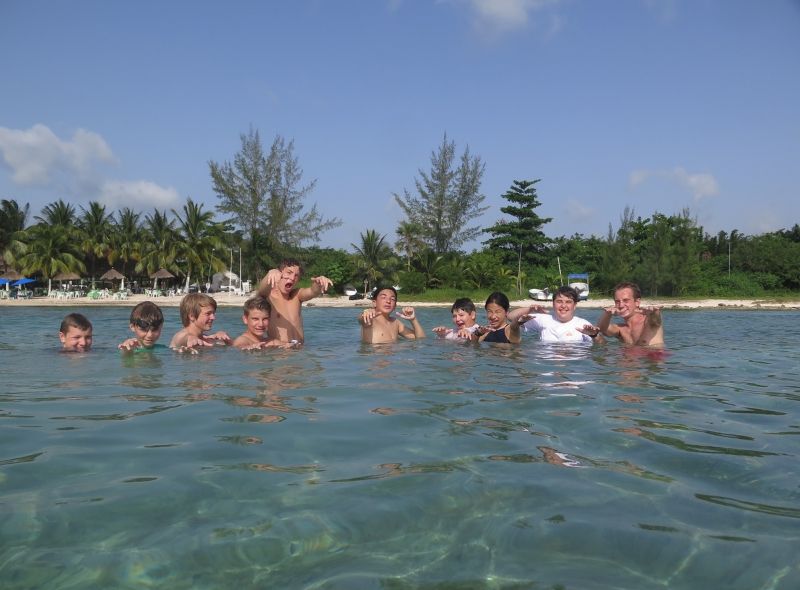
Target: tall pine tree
column 521, row 241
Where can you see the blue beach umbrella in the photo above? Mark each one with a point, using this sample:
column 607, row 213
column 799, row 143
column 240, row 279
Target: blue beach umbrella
column 22, row 281
column 3, row 281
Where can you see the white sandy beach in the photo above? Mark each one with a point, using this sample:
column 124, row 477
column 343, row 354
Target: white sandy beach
column 231, row 300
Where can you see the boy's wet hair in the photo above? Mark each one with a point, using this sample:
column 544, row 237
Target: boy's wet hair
column 498, row 298
column 380, row 288
column 463, row 304
column 258, row 302
column 637, row 292
column 570, row 292
column 192, row 304
column 147, row 315
column 75, row 320
column 287, row 262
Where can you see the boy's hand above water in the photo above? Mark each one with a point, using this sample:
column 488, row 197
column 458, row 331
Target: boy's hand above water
column 407, row 313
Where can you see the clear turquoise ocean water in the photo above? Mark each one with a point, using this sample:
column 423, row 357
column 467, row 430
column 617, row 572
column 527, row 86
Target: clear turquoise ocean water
column 418, row 465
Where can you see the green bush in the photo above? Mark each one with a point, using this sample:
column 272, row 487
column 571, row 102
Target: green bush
column 412, row 282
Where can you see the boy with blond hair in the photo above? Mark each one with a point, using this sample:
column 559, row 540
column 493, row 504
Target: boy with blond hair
column 198, row 312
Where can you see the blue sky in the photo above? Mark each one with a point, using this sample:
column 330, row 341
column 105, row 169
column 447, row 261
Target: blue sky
column 654, row 104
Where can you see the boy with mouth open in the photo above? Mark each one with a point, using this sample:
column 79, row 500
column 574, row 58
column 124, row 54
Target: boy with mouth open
column 278, row 286
column 377, row 325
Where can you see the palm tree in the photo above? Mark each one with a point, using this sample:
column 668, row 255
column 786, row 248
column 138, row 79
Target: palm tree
column 95, row 228
column 13, row 219
column 159, row 244
column 58, row 213
column 48, row 249
column 409, row 240
column 199, row 237
column 430, row 264
column 373, row 258
column 126, row 239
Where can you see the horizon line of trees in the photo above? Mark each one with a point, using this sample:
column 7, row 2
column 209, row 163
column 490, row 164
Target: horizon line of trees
column 262, row 198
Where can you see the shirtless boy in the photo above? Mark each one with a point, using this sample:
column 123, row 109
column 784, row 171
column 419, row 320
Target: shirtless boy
column 641, row 325
column 256, row 318
column 463, row 312
column 377, row 325
column 75, row 333
column 198, row 312
column 146, row 323
column 278, row 286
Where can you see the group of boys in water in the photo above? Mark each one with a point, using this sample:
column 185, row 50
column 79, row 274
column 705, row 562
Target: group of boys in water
column 273, row 319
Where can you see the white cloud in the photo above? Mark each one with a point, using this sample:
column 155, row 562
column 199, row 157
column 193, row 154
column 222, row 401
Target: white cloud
column 701, row 185
column 577, row 211
column 36, row 155
column 137, row 194
column 497, row 16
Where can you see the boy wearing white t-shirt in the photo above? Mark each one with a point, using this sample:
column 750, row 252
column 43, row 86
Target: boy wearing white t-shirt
column 563, row 325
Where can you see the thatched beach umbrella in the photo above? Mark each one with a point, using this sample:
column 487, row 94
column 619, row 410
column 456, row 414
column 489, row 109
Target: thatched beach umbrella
column 161, row 273
column 113, row 274
column 65, row 276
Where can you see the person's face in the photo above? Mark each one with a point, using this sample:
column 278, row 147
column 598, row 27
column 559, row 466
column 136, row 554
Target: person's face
column 205, row 319
column 625, row 302
column 76, row 339
column 146, row 333
column 463, row 319
column 563, row 308
column 496, row 315
column 257, row 322
column 385, row 301
column 289, row 278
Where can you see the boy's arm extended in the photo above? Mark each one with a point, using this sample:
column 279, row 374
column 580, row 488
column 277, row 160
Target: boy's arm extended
column 268, row 282
column 319, row 285
column 605, row 325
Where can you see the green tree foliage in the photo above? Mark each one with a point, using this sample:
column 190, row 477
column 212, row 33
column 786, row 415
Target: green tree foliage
column 126, row 239
column 49, row 250
column 374, row 259
column 662, row 254
column 264, row 195
column 13, row 220
column 95, row 230
column 198, row 238
column 448, row 199
column 409, row 240
column 521, row 241
column 160, row 244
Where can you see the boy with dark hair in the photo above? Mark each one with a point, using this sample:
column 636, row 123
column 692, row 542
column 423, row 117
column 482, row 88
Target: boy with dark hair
column 146, row 322
column 198, row 312
column 377, row 325
column 464, row 314
column 563, row 325
column 278, row 286
column 75, row 333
